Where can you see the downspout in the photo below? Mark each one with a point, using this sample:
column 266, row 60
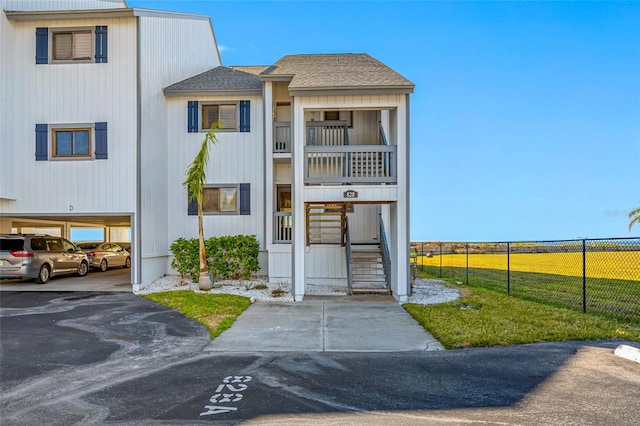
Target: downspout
column 137, row 219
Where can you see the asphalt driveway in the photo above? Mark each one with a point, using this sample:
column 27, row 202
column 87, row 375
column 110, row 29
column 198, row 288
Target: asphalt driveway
column 115, row 358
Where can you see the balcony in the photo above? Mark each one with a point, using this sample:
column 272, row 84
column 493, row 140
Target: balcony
column 330, row 159
column 360, row 164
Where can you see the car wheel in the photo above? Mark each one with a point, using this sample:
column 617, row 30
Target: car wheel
column 83, row 268
column 44, row 275
column 127, row 262
column 103, row 265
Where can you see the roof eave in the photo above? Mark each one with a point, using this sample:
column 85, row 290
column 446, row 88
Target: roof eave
column 128, row 12
column 353, row 90
column 38, row 15
column 168, row 92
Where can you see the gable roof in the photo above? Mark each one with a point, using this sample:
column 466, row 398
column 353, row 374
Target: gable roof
column 335, row 71
column 219, row 80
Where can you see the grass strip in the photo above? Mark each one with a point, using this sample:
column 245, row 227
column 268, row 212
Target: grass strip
column 482, row 318
column 217, row 312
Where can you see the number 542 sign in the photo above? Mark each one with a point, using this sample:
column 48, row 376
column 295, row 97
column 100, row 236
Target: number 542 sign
column 350, row 194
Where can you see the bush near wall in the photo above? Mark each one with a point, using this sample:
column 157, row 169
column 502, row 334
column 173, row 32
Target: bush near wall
column 228, row 257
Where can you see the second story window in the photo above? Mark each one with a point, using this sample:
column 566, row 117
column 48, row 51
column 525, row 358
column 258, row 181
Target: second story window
column 72, row 45
column 71, row 142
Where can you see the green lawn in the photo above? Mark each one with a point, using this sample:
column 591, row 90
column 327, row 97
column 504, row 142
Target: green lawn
column 611, row 297
column 482, row 317
column 217, row 312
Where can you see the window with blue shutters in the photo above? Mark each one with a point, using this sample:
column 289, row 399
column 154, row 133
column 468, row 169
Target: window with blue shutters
column 230, row 116
column 71, row 142
column 227, row 199
column 63, row 45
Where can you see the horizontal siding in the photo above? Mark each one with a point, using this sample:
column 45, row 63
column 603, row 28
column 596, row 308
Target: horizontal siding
column 236, row 158
column 70, row 94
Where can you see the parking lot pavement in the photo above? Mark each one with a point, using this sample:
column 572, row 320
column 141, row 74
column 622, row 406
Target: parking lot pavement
column 95, row 358
column 117, row 279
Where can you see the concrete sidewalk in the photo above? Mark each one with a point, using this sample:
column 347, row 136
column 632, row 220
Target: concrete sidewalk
column 326, row 324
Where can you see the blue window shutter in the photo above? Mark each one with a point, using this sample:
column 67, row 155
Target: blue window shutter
column 245, row 116
column 192, row 120
column 245, row 198
column 101, row 141
column 192, row 208
column 42, row 45
column 101, row 44
column 42, row 151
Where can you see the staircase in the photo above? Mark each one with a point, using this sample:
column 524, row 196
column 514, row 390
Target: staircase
column 325, row 225
column 368, row 271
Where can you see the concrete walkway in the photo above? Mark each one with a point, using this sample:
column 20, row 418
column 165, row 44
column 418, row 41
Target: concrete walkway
column 326, row 324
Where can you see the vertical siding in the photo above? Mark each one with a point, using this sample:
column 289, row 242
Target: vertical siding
column 171, row 49
column 324, row 263
column 35, row 5
column 363, row 223
column 81, row 93
column 236, row 158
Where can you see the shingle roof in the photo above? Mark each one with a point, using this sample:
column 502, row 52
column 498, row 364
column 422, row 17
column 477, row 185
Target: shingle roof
column 346, row 70
column 221, row 79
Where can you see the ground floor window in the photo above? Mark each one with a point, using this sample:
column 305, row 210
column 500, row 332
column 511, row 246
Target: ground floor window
column 223, row 199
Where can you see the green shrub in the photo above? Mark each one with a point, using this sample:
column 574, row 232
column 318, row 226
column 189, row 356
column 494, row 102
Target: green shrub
column 228, row 257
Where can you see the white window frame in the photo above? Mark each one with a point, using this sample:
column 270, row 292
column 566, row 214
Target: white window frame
column 203, row 105
column 56, row 31
column 54, row 128
column 236, row 211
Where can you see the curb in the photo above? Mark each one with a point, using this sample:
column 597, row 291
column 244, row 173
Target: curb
column 628, row 352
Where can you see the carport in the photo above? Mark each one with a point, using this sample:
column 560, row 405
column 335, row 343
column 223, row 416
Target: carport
column 115, row 228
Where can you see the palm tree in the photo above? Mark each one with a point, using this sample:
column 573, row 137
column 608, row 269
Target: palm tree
column 195, row 181
column 634, row 215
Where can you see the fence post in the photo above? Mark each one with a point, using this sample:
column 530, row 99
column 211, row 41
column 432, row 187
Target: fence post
column 440, row 274
column 508, row 268
column 584, row 276
column 422, row 257
column 467, row 263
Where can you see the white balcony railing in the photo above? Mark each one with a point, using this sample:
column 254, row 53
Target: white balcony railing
column 350, row 164
column 282, row 226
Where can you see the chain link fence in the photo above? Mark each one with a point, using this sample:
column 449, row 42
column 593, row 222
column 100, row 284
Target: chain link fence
column 593, row 275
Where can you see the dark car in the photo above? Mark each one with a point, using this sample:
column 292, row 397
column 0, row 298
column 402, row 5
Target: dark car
column 39, row 257
column 106, row 255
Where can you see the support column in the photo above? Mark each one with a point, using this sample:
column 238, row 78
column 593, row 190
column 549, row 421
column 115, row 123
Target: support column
column 297, row 200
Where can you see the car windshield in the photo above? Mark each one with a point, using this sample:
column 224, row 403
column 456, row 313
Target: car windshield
column 88, row 245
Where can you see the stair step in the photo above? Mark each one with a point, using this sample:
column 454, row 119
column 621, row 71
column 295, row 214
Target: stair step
column 370, row 290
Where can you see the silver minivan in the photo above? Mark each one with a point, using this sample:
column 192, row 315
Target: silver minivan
column 39, row 257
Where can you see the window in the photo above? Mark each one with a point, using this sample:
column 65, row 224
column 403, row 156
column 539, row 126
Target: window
column 225, row 115
column 223, row 199
column 72, row 45
column 63, row 45
column 71, row 142
column 339, row 115
column 220, row 200
column 231, row 116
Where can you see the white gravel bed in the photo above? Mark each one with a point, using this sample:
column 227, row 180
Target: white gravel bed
column 425, row 291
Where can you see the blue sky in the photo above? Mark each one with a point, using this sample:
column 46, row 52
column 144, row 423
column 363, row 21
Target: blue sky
column 525, row 117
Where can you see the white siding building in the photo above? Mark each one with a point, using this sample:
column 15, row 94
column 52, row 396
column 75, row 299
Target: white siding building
column 82, row 125
column 105, row 106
